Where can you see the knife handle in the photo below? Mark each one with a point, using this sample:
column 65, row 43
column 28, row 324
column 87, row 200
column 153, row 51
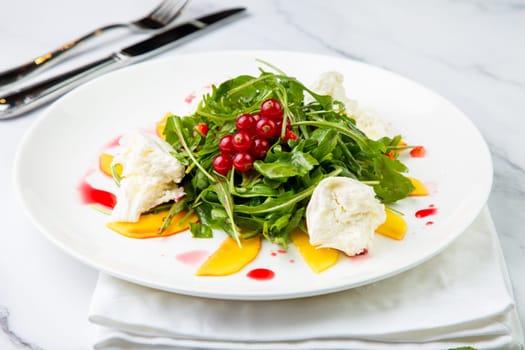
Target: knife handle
column 35, row 95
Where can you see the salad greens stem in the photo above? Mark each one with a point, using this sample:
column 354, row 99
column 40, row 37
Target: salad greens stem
column 226, row 200
column 178, row 130
column 247, row 84
column 216, row 117
column 268, row 64
column 340, row 128
column 263, row 209
column 176, row 208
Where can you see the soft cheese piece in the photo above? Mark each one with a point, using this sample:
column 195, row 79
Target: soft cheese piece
column 331, row 83
column 149, row 177
column 343, row 213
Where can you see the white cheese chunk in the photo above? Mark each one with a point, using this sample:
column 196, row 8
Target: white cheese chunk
column 149, row 177
column 343, row 213
column 331, row 83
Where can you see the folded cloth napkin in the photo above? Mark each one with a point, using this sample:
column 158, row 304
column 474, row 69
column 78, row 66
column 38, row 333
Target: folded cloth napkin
column 460, row 298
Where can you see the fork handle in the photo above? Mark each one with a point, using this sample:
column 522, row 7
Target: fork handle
column 48, row 59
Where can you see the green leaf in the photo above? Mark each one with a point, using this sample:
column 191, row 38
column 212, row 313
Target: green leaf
column 304, row 162
column 326, row 142
column 277, row 170
column 198, row 230
column 176, row 208
column 257, row 190
column 392, row 185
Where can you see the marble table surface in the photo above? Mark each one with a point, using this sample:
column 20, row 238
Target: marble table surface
column 471, row 52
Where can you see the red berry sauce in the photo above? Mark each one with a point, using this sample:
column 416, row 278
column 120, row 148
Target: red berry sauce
column 261, row 274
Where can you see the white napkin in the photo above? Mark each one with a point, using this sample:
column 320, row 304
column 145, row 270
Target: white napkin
column 461, row 297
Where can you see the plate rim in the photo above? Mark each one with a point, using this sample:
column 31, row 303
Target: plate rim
column 21, row 149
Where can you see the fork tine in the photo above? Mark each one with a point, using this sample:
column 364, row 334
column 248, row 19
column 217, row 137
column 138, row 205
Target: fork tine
column 163, row 14
column 167, row 9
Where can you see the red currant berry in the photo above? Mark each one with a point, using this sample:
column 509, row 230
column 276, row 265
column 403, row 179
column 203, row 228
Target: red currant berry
column 290, row 135
column 243, row 161
column 222, row 164
column 260, row 147
column 241, row 141
column 202, row 129
column 245, row 122
column 256, row 116
column 266, row 128
column 226, row 144
column 271, row 108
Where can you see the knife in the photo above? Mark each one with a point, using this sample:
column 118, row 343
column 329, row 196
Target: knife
column 35, row 95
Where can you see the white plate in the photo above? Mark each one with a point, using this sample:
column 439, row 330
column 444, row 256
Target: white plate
column 66, row 141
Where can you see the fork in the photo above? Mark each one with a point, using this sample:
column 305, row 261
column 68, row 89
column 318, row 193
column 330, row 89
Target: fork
column 160, row 17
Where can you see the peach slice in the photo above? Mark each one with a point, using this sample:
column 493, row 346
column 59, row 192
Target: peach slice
column 149, row 224
column 394, row 226
column 104, row 162
column 229, row 258
column 162, row 124
column 318, row 259
column 419, row 188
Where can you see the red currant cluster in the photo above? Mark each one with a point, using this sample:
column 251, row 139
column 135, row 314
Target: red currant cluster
column 252, row 139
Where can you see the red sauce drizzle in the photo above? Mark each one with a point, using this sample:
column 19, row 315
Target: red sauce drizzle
column 112, row 143
column 278, row 251
column 188, row 99
column 423, row 213
column 429, row 223
column 261, row 274
column 92, row 195
column 192, row 257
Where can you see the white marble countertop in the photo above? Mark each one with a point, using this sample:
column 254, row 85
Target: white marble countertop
column 469, row 51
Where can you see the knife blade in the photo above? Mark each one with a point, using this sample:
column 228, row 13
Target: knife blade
column 21, row 101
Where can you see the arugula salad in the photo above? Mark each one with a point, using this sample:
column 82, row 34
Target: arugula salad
column 257, row 147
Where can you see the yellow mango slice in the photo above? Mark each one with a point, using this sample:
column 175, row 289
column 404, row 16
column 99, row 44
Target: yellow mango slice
column 149, row 224
column 318, row 259
column 394, row 226
column 104, row 162
column 419, row 188
column 161, row 125
column 229, row 258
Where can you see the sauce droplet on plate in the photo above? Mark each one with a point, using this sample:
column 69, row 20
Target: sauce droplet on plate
column 192, row 257
column 423, row 213
column 91, row 195
column 261, row 274
column 113, row 143
column 189, row 99
column 418, row 152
